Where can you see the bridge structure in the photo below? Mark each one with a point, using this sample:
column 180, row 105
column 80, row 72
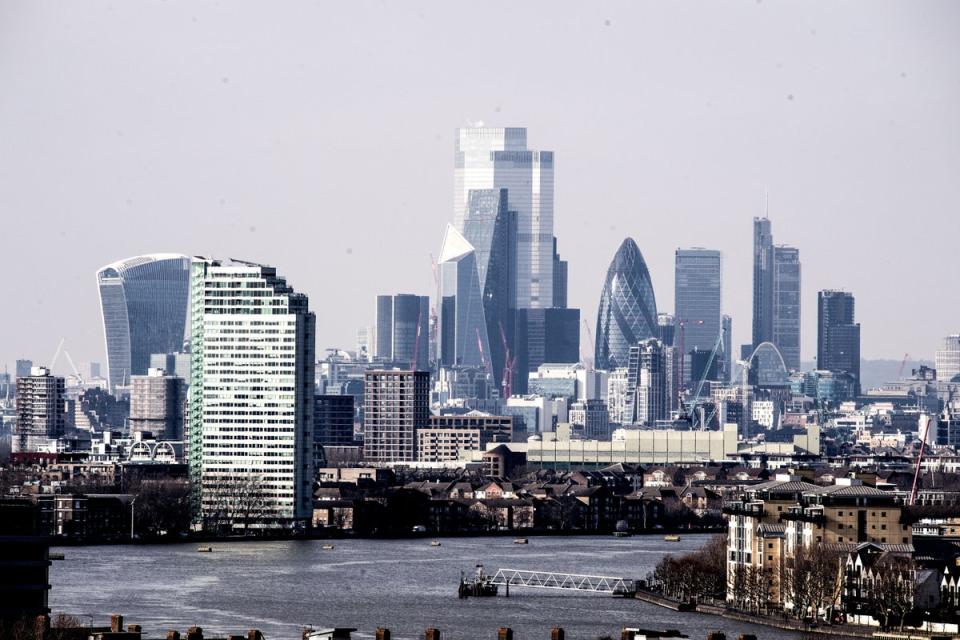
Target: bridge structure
column 565, row 581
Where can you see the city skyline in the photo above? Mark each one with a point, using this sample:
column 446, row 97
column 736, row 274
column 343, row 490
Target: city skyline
column 132, row 197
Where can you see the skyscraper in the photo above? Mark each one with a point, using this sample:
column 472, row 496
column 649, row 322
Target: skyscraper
column 402, row 327
column 463, row 327
column 786, row 304
column 144, row 303
column 252, row 396
column 384, row 329
column 947, row 359
column 697, row 302
column 838, row 336
column 396, row 406
column 156, row 404
column 628, row 308
column 727, row 347
column 40, row 410
column 544, row 336
column 762, row 281
column 498, row 158
column 24, row 368
column 491, row 228
column 776, row 294
column 560, row 279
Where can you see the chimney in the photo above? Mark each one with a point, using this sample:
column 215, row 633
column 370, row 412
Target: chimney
column 626, row 634
column 134, row 628
column 431, row 634
column 173, row 635
column 254, row 634
column 504, row 633
column 195, row 633
column 116, row 623
column 556, row 633
column 383, row 634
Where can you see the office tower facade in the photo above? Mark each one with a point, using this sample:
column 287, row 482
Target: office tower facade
column 333, row 420
column 143, row 301
column 763, row 281
column 647, row 383
column 40, row 410
column 252, row 394
column 590, row 419
column 491, row 228
column 544, row 336
column 396, row 406
column 666, row 328
column 156, row 404
column 411, row 319
column 698, row 280
column 24, row 368
column 628, row 308
column 947, row 358
column 463, row 328
column 838, row 335
column 786, row 304
column 384, row 329
column 498, row 158
column 173, row 364
column 560, row 279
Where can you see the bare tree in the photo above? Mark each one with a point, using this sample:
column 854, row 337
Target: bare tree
column 894, row 588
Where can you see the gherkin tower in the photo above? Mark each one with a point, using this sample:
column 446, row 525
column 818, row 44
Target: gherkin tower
column 628, row 308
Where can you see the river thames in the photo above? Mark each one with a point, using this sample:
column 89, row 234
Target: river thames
column 404, row 585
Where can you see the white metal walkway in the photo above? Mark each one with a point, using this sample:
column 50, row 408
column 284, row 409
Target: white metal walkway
column 567, row 581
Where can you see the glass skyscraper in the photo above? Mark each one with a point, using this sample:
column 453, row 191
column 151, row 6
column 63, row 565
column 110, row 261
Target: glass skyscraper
column 144, row 304
column 698, row 278
column 762, row 281
column 498, row 158
column 838, row 336
column 786, row 304
column 628, row 308
column 251, row 399
column 400, row 320
column 491, row 228
column 462, row 331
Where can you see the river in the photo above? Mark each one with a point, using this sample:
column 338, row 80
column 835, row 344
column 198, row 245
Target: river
column 404, row 585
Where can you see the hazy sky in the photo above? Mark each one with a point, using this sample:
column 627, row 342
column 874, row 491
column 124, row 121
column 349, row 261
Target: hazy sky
column 319, row 137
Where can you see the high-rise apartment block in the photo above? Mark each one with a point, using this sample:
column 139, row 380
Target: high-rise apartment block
column 157, row 402
column 40, row 410
column 144, row 305
column 396, row 406
column 251, row 396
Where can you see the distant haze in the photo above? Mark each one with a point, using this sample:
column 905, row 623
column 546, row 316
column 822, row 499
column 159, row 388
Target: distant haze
column 318, row 137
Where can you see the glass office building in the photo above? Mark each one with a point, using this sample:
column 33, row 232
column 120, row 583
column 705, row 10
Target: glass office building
column 786, row 304
column 463, row 329
column 628, row 308
column 697, row 302
column 498, row 158
column 143, row 301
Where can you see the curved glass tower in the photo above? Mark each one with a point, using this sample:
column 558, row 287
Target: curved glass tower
column 628, row 308
column 144, row 304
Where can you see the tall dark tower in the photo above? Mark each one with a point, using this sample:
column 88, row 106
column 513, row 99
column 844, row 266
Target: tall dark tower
column 762, row 281
column 838, row 336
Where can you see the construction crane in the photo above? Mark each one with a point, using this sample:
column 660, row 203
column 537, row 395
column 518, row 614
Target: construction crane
column 416, row 342
column 681, row 327
column 703, row 380
column 902, row 365
column 923, row 426
column 76, row 371
column 483, row 357
column 588, row 362
column 434, row 323
column 509, row 364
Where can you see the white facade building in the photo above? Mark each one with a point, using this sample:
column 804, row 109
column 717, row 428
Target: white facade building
column 947, row 360
column 251, row 396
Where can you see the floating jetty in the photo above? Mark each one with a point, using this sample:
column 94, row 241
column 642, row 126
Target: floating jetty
column 481, row 586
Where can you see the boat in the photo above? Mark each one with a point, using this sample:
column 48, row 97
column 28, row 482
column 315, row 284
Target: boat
column 434, row 543
column 57, row 556
column 204, row 549
column 672, row 538
column 481, row 586
column 622, row 534
column 327, row 547
column 520, row 541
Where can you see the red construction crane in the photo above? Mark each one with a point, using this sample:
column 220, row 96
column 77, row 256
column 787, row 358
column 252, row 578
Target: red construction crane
column 416, row 343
